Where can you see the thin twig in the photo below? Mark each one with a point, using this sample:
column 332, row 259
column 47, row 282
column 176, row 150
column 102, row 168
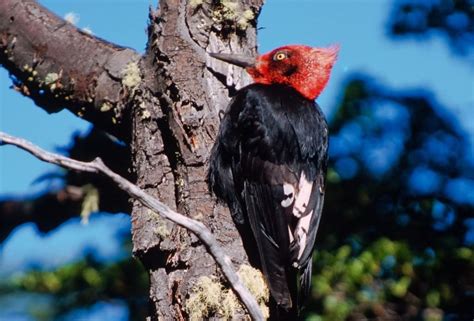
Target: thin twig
column 201, row 231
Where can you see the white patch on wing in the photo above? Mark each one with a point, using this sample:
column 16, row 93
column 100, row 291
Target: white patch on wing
column 289, row 192
column 301, row 232
column 303, row 195
column 292, row 238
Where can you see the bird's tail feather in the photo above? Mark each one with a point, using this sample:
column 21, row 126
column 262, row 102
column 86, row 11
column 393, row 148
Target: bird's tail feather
column 304, row 285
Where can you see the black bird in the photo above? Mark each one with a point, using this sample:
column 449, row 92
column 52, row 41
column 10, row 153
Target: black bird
column 269, row 163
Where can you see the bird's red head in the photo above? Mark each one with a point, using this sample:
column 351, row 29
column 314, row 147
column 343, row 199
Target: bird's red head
column 304, row 68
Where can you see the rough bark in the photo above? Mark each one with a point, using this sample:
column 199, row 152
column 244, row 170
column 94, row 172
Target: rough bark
column 174, row 110
column 174, row 130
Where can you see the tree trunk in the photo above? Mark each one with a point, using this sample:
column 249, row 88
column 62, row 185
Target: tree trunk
column 165, row 104
column 175, row 121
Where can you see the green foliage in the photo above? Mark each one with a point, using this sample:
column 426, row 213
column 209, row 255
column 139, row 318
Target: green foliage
column 83, row 284
column 388, row 248
column 386, row 278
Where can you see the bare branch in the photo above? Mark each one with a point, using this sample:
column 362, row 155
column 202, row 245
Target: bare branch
column 46, row 55
column 201, row 231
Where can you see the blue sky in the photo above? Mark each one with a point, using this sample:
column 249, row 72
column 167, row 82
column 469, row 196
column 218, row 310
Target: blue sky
column 28, row 248
column 402, row 64
column 358, row 26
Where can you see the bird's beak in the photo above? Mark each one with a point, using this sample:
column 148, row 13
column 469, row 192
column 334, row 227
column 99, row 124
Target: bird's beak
column 238, row 60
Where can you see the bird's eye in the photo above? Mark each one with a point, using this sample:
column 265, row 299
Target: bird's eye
column 279, row 56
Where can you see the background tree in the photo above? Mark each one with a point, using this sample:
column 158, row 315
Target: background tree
column 396, row 237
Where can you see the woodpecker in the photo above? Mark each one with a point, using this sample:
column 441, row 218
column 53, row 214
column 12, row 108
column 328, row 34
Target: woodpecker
column 269, row 161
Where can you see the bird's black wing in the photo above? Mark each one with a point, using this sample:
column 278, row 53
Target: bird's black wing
column 268, row 164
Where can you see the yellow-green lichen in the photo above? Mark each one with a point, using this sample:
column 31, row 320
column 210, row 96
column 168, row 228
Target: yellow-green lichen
column 51, row 78
column 131, row 75
column 90, row 203
column 161, row 228
column 106, row 106
column 230, row 304
column 209, row 297
column 195, row 3
column 254, row 281
column 205, row 299
column 179, row 182
column 229, row 14
column 145, row 113
column 225, row 12
column 231, row 7
column 244, row 21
